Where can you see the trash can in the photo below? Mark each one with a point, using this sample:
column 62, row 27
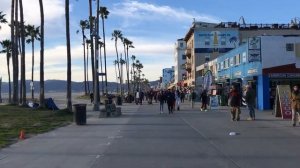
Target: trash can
column 119, row 100
column 79, row 114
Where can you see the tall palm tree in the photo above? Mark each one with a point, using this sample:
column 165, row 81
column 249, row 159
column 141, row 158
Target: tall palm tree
column 96, row 73
column 2, row 18
column 7, row 48
column 42, row 84
column 69, row 74
column 117, row 34
column 88, row 43
column 92, row 33
column 15, row 57
column 23, row 69
column 32, row 33
column 104, row 13
column 84, row 24
column 133, row 57
column 117, row 78
column 122, row 62
column 101, row 44
column 127, row 44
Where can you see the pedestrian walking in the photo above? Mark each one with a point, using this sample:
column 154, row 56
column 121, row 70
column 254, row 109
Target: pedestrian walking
column 250, row 101
column 234, row 102
column 182, row 96
column 178, row 99
column 137, row 97
column 170, row 101
column 295, row 98
column 142, row 95
column 161, row 98
column 204, row 100
column 92, row 97
column 193, row 98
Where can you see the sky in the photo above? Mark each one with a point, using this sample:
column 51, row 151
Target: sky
column 152, row 25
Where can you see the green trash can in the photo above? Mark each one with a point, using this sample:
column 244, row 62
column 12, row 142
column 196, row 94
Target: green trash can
column 79, row 111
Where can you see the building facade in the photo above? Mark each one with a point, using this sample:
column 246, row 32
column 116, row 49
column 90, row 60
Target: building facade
column 207, row 41
column 180, row 60
column 263, row 62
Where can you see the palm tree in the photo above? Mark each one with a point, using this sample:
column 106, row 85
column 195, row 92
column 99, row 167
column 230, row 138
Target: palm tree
column 15, row 58
column 117, row 34
column 32, row 33
column 84, row 24
column 88, row 42
column 42, row 84
column 101, row 44
column 69, row 74
column 92, row 33
column 7, row 48
column 116, row 63
column 133, row 72
column 23, row 69
column 104, row 13
column 2, row 18
column 122, row 62
column 127, row 44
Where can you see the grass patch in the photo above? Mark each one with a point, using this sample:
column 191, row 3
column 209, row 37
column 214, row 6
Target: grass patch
column 15, row 118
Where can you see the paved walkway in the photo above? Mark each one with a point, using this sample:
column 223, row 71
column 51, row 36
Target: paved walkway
column 143, row 138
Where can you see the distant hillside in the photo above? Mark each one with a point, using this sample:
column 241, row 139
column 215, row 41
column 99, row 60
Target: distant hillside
column 61, row 86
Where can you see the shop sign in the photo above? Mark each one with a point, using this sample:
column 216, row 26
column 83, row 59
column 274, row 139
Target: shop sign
column 283, row 103
column 284, row 75
column 254, row 49
column 252, row 71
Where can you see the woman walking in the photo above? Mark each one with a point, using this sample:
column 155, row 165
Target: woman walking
column 161, row 99
column 295, row 98
column 234, row 102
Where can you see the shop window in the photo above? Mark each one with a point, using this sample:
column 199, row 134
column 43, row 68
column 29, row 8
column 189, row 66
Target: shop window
column 289, row 47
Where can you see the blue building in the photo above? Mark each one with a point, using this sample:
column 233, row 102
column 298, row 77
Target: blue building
column 263, row 62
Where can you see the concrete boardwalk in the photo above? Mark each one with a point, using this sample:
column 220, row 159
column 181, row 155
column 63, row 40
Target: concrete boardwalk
column 143, row 138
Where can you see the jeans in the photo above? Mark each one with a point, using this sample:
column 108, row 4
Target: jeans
column 295, row 112
column 161, row 106
column 251, row 111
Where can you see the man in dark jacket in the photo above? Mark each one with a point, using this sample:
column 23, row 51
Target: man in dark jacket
column 170, row 97
column 250, row 100
column 204, row 100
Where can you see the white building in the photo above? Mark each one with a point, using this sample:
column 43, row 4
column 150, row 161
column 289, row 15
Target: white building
column 180, row 60
column 168, row 77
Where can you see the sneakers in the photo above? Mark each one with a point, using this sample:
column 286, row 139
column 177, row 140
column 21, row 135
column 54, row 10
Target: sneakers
column 294, row 125
column 249, row 119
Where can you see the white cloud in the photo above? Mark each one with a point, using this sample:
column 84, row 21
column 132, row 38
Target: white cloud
column 139, row 11
column 53, row 12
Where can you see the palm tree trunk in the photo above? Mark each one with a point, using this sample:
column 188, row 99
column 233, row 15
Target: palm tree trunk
column 104, row 47
column 42, row 84
column 87, row 68
column 116, row 77
column 12, row 29
column 32, row 69
column 96, row 81
column 118, row 63
column 0, row 89
column 15, row 57
column 69, row 87
column 84, row 61
column 100, row 53
column 9, row 82
column 127, row 70
column 23, row 69
column 92, row 42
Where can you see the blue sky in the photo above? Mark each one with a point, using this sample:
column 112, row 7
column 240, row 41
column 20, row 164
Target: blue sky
column 153, row 26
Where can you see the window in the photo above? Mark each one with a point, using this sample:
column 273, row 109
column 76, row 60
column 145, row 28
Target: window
column 184, row 57
column 289, row 47
column 207, row 41
column 181, row 45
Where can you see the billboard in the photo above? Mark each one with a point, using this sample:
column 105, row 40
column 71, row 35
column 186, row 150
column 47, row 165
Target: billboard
column 254, row 49
column 217, row 39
